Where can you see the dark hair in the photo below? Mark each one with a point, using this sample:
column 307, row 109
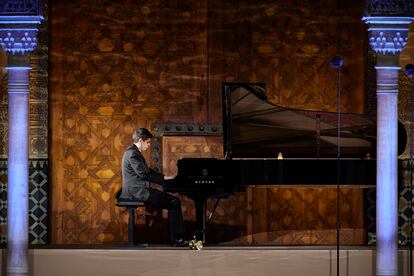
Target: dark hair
column 142, row 133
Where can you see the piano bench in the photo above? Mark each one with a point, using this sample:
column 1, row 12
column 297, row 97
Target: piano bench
column 131, row 205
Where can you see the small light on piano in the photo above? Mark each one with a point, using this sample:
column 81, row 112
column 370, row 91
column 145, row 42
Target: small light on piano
column 279, row 156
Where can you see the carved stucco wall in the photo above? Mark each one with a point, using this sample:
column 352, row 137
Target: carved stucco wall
column 405, row 89
column 116, row 65
column 405, row 107
column 288, row 46
column 3, row 105
column 38, row 100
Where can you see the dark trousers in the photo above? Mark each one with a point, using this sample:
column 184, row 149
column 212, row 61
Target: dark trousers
column 164, row 200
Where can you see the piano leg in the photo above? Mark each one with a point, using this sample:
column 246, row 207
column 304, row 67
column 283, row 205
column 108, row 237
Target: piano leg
column 200, row 219
column 200, row 201
column 200, row 210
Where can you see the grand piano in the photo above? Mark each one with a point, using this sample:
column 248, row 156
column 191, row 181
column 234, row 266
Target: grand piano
column 266, row 144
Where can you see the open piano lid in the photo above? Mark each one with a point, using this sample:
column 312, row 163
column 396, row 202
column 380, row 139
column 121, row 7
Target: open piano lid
column 253, row 127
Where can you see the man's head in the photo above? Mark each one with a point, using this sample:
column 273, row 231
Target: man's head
column 142, row 138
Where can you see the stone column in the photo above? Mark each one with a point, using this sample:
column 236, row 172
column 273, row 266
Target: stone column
column 387, row 37
column 18, row 167
column 18, row 39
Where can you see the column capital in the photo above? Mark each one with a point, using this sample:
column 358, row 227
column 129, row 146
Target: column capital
column 18, row 41
column 388, row 35
column 19, row 25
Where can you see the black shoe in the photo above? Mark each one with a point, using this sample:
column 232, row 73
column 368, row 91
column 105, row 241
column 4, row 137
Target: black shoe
column 180, row 243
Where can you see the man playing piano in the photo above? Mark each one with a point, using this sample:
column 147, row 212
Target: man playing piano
column 136, row 177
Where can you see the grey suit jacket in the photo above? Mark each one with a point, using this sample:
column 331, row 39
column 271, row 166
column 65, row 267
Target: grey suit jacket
column 136, row 175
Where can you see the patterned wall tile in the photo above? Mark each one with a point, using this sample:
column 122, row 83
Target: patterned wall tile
column 38, row 201
column 404, row 211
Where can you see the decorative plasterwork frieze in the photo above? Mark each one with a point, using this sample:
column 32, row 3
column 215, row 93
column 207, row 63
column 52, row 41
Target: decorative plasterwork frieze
column 388, row 35
column 20, row 7
column 388, row 7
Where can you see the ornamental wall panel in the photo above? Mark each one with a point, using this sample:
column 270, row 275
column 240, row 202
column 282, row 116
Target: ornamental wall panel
column 288, row 46
column 117, row 65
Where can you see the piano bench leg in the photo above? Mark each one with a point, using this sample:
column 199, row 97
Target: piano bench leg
column 131, row 229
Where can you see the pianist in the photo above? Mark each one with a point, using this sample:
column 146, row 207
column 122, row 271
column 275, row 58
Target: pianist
column 136, row 177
